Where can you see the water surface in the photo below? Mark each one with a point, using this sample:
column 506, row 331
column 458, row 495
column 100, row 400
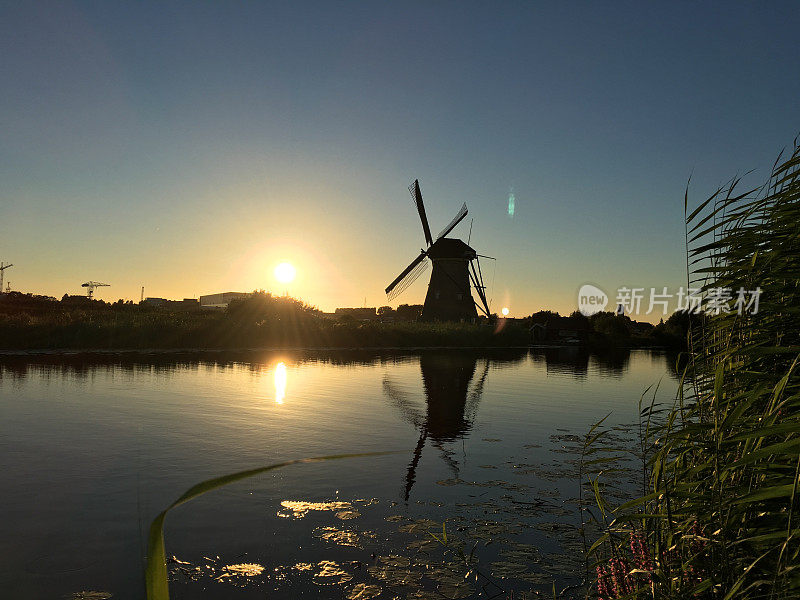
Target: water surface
column 92, row 448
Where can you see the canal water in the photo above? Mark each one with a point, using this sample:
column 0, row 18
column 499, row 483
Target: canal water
column 485, row 447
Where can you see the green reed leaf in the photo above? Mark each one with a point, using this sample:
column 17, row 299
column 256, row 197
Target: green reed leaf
column 156, row 583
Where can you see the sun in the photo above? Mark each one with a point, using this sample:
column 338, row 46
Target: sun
column 285, row 272
column 505, row 312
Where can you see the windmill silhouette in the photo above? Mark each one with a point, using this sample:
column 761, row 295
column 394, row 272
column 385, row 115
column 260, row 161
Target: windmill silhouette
column 456, row 270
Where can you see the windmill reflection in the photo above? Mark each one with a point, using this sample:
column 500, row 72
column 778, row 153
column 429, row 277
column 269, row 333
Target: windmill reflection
column 451, row 405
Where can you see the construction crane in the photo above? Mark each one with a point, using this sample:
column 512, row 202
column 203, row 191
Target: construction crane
column 91, row 285
column 3, row 268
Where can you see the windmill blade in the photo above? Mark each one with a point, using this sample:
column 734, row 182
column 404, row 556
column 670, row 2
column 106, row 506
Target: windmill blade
column 447, row 457
column 415, row 265
column 416, row 196
column 481, row 286
column 476, row 276
column 471, row 406
column 456, row 220
column 411, row 474
column 409, row 409
column 410, row 278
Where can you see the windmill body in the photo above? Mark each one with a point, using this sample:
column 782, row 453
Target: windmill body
column 449, row 296
column 456, row 272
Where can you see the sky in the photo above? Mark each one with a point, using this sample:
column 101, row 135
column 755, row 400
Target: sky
column 191, row 147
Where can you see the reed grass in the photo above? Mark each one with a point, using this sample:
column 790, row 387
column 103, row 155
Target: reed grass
column 719, row 516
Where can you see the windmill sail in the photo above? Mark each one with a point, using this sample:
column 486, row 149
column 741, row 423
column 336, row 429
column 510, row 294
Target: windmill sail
column 410, row 278
column 408, row 271
column 416, row 196
column 456, row 220
column 477, row 282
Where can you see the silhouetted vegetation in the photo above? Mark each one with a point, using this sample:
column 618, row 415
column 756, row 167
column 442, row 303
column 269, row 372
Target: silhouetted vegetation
column 76, row 323
column 29, row 322
column 609, row 330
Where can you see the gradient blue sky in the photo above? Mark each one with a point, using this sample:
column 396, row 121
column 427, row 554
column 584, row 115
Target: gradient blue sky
column 189, row 147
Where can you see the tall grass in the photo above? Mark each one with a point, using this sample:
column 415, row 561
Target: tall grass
column 719, row 517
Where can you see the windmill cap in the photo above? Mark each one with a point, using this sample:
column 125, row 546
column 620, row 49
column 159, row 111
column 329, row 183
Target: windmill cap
column 451, row 248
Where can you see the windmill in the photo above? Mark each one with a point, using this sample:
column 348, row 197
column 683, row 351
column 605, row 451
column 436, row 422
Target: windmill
column 456, row 270
column 91, row 285
column 3, row 268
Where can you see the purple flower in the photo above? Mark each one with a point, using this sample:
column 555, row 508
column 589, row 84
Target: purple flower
column 641, row 552
column 620, row 580
column 602, row 583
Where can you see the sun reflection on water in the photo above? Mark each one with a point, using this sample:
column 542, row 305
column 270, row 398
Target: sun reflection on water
column 280, row 382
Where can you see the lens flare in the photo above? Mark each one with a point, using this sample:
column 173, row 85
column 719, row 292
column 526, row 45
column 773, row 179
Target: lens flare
column 280, row 382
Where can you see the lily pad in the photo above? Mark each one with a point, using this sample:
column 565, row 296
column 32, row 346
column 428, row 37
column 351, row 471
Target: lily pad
column 346, row 515
column 364, row 591
column 330, row 573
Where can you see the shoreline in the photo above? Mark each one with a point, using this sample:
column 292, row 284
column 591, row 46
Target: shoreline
column 249, row 350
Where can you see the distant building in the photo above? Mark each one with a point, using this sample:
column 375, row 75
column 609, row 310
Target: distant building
column 220, row 300
column 359, row 314
column 155, row 301
column 185, row 304
column 76, row 300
